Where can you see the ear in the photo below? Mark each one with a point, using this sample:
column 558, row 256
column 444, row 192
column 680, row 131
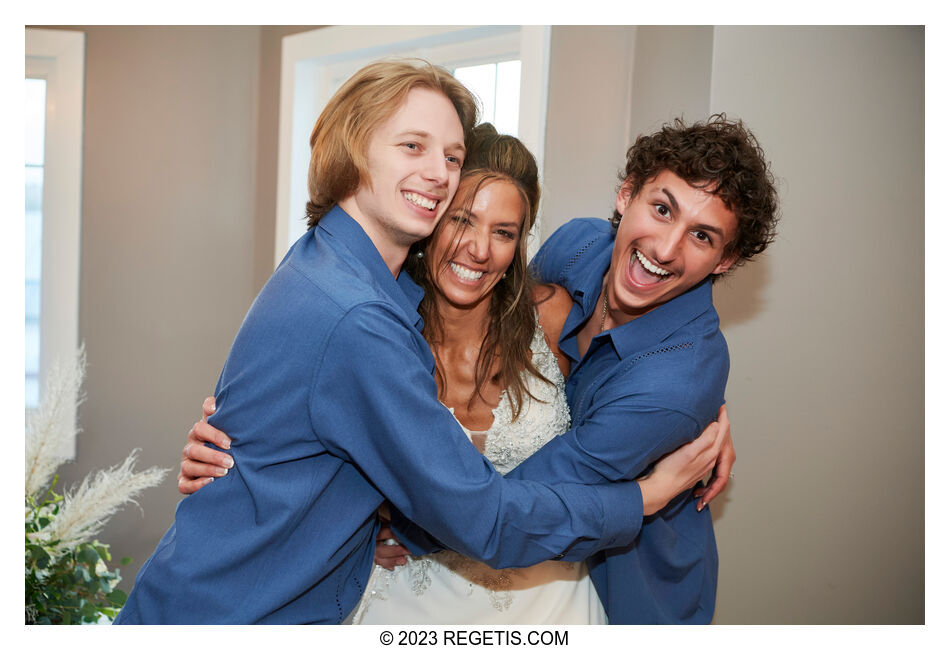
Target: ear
column 725, row 263
column 624, row 196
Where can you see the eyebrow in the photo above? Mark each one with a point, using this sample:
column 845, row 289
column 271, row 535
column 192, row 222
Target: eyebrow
column 468, row 213
column 458, row 146
column 712, row 229
column 676, row 206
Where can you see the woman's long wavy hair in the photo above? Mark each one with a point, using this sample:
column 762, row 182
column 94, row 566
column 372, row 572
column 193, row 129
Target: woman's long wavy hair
column 505, row 352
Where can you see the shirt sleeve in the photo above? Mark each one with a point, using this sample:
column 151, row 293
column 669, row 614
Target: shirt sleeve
column 550, row 259
column 373, row 403
column 558, row 252
column 619, row 441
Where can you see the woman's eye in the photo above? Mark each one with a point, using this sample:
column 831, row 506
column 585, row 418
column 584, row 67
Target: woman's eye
column 411, row 145
column 454, row 160
column 507, row 234
column 662, row 210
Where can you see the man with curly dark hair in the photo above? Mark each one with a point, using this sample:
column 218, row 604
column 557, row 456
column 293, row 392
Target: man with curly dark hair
column 721, row 157
column 648, row 362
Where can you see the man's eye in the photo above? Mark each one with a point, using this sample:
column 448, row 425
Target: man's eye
column 662, row 210
column 411, row 145
column 455, row 160
column 702, row 236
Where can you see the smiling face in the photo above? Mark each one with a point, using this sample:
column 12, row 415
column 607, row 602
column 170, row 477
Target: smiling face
column 414, row 160
column 671, row 237
column 475, row 246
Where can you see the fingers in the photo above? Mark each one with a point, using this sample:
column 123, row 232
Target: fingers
column 389, row 552
column 192, row 470
column 208, row 406
column 390, row 556
column 722, row 471
column 200, row 453
column 186, row 486
column 715, row 485
column 390, row 564
column 204, row 432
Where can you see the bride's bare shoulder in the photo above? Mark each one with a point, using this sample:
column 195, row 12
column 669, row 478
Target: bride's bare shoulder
column 554, row 304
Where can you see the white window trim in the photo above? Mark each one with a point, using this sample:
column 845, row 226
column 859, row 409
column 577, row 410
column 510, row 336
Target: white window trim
column 308, row 59
column 59, row 57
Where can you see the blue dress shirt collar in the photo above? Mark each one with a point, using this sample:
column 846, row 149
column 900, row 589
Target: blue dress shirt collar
column 642, row 332
column 655, row 326
column 350, row 234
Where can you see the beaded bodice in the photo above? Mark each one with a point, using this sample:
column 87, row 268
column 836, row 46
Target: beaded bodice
column 543, row 415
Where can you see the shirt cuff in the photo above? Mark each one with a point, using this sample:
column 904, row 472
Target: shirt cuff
column 623, row 513
column 410, row 535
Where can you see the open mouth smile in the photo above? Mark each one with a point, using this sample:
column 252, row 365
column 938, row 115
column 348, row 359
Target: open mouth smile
column 419, row 200
column 644, row 271
column 465, row 274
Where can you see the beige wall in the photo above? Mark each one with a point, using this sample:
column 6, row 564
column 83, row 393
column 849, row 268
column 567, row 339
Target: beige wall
column 824, row 522
column 177, row 238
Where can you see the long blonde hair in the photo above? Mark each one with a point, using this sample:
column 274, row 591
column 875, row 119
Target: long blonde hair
column 340, row 137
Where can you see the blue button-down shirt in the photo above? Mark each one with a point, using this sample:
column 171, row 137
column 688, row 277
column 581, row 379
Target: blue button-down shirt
column 641, row 390
column 329, row 399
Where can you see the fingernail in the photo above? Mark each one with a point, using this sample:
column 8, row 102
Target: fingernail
column 226, row 444
column 214, row 405
column 229, row 462
column 222, row 471
column 702, row 505
column 209, row 480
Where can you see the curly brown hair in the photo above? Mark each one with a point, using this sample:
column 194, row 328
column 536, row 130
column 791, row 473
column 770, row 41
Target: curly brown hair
column 505, row 353
column 722, row 157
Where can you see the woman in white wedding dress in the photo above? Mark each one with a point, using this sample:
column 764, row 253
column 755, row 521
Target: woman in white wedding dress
column 492, row 331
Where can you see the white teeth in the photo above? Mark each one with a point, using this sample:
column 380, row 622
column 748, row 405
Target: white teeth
column 421, row 201
column 652, row 268
column 464, row 273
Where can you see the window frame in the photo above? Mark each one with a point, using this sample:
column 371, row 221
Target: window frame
column 59, row 57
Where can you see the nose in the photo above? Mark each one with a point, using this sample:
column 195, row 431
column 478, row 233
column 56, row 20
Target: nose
column 478, row 244
column 667, row 246
column 436, row 168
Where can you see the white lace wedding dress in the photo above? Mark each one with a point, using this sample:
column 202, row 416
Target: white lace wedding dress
column 448, row 588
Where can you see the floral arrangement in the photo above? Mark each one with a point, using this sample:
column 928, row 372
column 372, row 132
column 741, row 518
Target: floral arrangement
column 68, row 579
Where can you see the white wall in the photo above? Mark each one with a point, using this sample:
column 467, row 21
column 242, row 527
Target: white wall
column 587, row 125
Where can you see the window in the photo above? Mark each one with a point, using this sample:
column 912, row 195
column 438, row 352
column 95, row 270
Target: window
column 54, row 92
column 506, row 66
column 35, row 140
column 498, row 86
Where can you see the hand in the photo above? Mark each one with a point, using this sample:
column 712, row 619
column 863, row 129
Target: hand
column 681, row 469
column 200, row 464
column 723, row 470
column 389, row 552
